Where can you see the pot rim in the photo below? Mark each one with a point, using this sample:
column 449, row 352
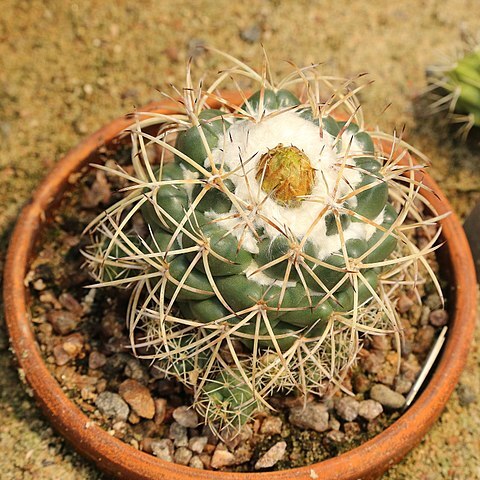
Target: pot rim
column 116, row 457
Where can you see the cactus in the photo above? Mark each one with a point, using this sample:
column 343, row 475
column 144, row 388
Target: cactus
column 273, row 240
column 456, row 88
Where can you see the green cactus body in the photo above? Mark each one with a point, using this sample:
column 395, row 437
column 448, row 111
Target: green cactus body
column 242, row 274
column 464, row 80
column 265, row 236
column 458, row 90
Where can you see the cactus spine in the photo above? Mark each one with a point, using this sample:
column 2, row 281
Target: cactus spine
column 273, row 240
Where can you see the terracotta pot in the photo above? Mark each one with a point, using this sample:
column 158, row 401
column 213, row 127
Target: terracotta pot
column 121, row 460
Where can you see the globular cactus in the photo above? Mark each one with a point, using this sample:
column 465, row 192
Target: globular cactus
column 273, row 240
column 455, row 88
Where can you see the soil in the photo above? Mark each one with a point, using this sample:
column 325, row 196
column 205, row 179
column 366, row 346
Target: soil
column 82, row 334
column 67, row 68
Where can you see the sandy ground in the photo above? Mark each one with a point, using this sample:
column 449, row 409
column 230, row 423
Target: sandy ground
column 66, row 68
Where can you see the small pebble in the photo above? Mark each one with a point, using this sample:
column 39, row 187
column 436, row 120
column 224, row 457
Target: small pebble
column 206, row 459
column 73, row 344
column 60, row 355
column 138, row 397
column 423, row 339
column 163, row 449
column 112, row 405
column 438, row 318
column 347, row 408
column 433, row 301
column 380, row 342
column 222, row 457
column 333, row 423
column 178, row 434
column 70, row 348
column 69, row 302
column 402, row 385
column 111, row 325
column 196, row 462
column 115, row 363
column 272, row 456
column 387, row 397
column 48, row 297
column 271, row 426
column 88, row 392
column 335, row 436
column 243, row 453
column 314, row 416
column 63, row 321
column 182, row 456
column 361, row 383
column 96, row 360
column 39, row 285
column 146, row 444
column 425, row 315
column 415, row 313
column 186, row 416
column 404, row 303
column 160, row 410
column 373, row 361
column 233, row 439
column 370, row 409
column 134, row 369
column 133, row 418
column 386, row 374
column 197, row 444
column 410, row 368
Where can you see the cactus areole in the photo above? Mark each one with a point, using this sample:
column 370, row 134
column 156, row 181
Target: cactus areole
column 264, row 247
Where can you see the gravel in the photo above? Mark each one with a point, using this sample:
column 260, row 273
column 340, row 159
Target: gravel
column 96, row 360
column 313, row 416
column 138, row 397
column 387, row 397
column 438, row 318
column 404, row 304
column 423, row 339
column 196, row 462
column 63, row 321
column 197, row 444
column 271, row 426
column 222, row 457
column 186, row 416
column 182, row 456
column 163, row 449
column 160, row 410
column 370, row 409
column 347, row 408
column 178, row 433
column 69, row 348
column 112, row 406
column 272, row 456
